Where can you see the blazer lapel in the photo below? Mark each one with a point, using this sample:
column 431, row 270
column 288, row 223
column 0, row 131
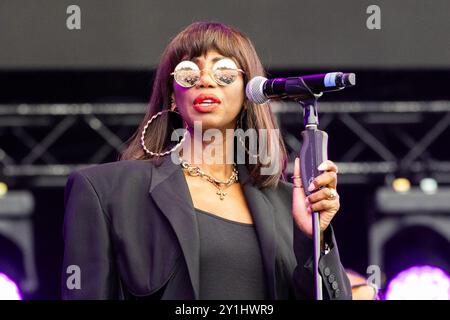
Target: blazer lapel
column 170, row 191
column 263, row 214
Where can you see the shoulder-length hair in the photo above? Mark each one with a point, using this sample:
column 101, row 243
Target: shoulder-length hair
column 195, row 40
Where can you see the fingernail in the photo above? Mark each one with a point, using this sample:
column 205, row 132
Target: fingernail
column 306, row 201
column 323, row 166
column 311, row 187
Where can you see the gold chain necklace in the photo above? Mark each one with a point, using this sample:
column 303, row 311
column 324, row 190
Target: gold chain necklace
column 197, row 172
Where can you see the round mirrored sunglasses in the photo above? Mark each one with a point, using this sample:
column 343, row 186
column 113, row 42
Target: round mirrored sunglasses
column 224, row 72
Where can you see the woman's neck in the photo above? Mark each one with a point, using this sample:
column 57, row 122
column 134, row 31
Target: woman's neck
column 212, row 155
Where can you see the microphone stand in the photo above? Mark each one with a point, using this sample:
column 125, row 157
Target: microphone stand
column 312, row 153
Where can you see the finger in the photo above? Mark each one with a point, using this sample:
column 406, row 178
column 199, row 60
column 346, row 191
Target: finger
column 325, row 205
column 328, row 165
column 326, row 179
column 299, row 211
column 298, row 198
column 322, row 194
column 298, row 181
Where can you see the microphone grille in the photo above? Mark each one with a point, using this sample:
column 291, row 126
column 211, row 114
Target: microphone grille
column 254, row 90
column 349, row 79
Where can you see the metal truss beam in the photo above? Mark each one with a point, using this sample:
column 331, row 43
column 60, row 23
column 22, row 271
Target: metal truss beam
column 37, row 140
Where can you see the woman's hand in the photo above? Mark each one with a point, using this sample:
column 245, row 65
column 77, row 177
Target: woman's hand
column 324, row 201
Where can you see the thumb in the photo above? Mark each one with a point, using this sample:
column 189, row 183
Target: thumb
column 298, row 192
column 301, row 216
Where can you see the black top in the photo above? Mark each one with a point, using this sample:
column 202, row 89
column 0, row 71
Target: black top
column 231, row 266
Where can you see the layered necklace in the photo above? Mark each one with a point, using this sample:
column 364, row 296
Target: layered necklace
column 220, row 185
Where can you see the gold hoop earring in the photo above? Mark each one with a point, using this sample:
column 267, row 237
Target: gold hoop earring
column 160, row 154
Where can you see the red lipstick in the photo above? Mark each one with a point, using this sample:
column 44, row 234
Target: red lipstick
column 206, row 102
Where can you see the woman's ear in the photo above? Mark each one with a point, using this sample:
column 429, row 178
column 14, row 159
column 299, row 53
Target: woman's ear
column 173, row 105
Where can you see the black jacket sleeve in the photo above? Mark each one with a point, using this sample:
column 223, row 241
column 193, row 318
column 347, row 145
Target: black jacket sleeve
column 88, row 270
column 336, row 285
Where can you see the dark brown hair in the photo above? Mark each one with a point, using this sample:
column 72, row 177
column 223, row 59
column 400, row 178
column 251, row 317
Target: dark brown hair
column 194, row 41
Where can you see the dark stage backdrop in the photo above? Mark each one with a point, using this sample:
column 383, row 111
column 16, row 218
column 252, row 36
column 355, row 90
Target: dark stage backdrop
column 287, row 33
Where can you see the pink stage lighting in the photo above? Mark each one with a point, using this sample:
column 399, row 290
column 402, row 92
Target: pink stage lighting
column 8, row 289
column 420, row 283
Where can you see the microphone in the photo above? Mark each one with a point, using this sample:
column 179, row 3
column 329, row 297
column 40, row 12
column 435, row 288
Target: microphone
column 260, row 90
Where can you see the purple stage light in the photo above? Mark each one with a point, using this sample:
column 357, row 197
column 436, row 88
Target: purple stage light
column 8, row 289
column 420, row 283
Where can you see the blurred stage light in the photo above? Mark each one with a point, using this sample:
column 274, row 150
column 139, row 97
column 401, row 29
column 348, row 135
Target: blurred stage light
column 428, row 185
column 420, row 283
column 401, row 185
column 410, row 229
column 16, row 228
column 8, row 289
column 3, row 189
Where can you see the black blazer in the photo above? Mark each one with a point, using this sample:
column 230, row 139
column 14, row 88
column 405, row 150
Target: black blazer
column 131, row 228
